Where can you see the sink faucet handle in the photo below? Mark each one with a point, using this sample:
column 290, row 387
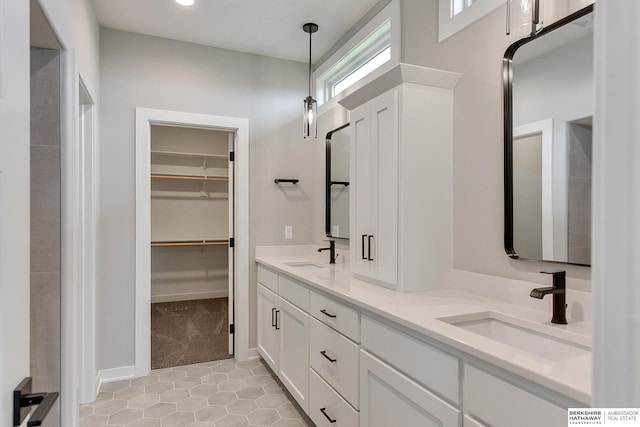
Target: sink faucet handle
column 559, row 273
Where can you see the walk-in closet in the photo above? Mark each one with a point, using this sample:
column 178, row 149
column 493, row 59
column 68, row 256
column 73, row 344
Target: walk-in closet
column 191, row 254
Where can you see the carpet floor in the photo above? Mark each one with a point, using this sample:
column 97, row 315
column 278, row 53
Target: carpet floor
column 188, row 332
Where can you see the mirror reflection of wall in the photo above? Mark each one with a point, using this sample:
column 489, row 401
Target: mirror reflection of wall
column 338, row 183
column 552, row 107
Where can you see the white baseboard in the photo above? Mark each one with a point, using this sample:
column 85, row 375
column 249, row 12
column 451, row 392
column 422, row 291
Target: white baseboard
column 115, row 374
column 189, row 296
column 253, row 353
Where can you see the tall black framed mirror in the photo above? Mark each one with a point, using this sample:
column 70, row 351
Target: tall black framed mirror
column 548, row 113
column 337, row 183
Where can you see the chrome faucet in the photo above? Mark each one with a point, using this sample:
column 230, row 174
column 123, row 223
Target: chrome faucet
column 332, row 251
column 558, row 290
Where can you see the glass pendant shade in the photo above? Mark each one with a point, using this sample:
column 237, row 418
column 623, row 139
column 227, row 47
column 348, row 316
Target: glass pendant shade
column 310, row 105
column 310, row 118
column 525, row 17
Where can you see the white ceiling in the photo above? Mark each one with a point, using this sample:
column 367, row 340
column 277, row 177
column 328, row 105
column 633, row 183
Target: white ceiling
column 264, row 27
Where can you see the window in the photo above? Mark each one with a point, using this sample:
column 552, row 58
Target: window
column 372, row 50
column 454, row 15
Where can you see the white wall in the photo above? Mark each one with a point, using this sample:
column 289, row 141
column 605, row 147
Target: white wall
column 477, row 53
column 150, row 72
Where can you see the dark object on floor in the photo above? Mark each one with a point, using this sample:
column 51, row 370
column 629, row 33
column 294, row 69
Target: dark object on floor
column 187, row 332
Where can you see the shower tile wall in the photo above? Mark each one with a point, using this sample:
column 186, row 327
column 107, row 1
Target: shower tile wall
column 580, row 165
column 45, row 224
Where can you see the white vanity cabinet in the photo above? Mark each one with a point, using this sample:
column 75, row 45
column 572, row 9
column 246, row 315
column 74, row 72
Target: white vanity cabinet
column 283, row 331
column 401, row 178
column 499, row 403
column 404, row 381
column 333, row 362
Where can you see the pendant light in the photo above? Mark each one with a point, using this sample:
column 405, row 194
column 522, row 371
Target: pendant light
column 310, row 104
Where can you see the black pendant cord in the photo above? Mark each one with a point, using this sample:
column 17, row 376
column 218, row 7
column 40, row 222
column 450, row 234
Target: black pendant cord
column 310, row 62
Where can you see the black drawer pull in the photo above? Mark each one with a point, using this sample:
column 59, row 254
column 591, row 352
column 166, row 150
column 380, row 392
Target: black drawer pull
column 323, row 410
column 273, row 317
column 364, row 236
column 369, row 257
column 323, row 311
column 277, row 320
column 324, row 353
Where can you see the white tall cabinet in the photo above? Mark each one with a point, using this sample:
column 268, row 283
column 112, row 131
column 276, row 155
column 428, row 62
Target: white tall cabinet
column 401, row 177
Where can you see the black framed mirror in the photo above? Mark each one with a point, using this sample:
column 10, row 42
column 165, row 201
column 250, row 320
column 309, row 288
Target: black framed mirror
column 548, row 112
column 337, row 183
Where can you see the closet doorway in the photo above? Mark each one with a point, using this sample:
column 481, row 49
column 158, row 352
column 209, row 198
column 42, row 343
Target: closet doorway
column 191, row 233
column 191, row 245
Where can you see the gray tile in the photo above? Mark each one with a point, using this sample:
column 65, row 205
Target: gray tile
column 240, row 374
column 178, row 419
column 159, row 388
column 222, row 398
column 145, row 381
column 94, row 421
column 187, row 383
column 284, row 422
column 115, row 386
column 172, row 376
column 248, row 364
column 233, row 421
column 192, row 404
column 263, row 417
column 174, row 395
column 85, row 411
column 216, row 378
column 272, row 401
column 45, row 209
column 288, row 411
column 242, row 407
column 125, row 417
column 110, row 407
column 144, row 401
column 250, row 393
column 232, row 385
column 128, row 393
column 211, row 413
column 204, row 390
column 199, row 372
column 146, row 422
column 259, row 380
column 223, row 367
column 160, row 410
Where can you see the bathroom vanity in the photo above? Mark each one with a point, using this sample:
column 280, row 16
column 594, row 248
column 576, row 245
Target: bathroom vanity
column 366, row 356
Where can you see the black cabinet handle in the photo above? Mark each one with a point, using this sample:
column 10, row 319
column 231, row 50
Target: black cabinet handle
column 273, row 317
column 324, row 353
column 364, row 236
column 369, row 257
column 277, row 320
column 323, row 311
column 324, row 412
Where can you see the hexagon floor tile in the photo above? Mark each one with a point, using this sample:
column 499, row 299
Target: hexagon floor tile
column 215, row 394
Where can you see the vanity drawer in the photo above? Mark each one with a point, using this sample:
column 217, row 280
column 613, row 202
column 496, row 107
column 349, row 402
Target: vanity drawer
column 324, row 400
column 293, row 292
column 340, row 317
column 431, row 367
column 499, row 403
column 268, row 278
column 342, row 372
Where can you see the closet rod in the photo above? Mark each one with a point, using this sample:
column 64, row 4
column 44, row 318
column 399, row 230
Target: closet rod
column 190, row 243
column 190, row 178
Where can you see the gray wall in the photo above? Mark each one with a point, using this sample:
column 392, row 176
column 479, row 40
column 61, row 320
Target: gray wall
column 150, row 72
column 477, row 53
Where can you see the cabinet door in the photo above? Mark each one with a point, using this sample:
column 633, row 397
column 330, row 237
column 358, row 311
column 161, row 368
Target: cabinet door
column 389, row 398
column 384, row 187
column 360, row 177
column 293, row 370
column 374, row 194
column 267, row 333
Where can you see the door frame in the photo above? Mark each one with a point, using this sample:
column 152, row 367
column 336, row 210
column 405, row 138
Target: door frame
column 145, row 117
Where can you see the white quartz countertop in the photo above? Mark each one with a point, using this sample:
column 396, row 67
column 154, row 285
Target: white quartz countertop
column 419, row 312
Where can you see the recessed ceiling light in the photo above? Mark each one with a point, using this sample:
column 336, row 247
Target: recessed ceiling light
column 185, row 2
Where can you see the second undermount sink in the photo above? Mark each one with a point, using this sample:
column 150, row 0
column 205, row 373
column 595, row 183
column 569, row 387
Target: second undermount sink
column 307, row 265
column 544, row 341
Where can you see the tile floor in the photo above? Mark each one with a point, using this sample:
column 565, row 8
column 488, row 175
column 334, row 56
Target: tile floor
column 224, row 393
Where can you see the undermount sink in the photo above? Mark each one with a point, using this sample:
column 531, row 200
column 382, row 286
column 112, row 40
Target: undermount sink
column 544, row 341
column 309, row 265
